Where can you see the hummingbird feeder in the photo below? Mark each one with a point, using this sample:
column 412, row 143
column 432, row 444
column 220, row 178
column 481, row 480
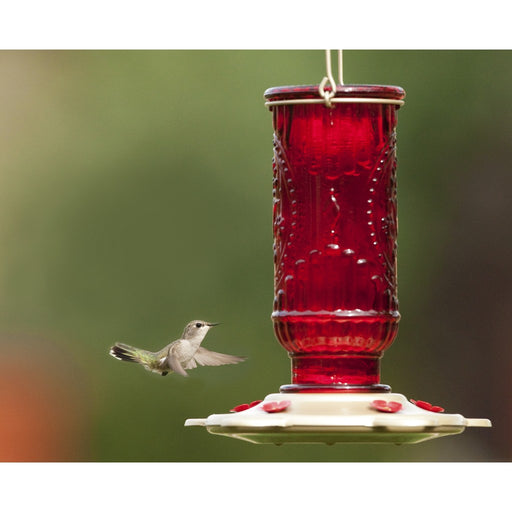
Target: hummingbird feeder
column 335, row 283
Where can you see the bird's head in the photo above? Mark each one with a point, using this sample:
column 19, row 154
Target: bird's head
column 197, row 329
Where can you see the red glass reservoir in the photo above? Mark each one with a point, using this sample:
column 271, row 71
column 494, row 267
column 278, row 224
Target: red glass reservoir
column 335, row 227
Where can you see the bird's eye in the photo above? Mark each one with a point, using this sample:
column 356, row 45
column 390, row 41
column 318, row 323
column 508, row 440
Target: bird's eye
column 199, row 325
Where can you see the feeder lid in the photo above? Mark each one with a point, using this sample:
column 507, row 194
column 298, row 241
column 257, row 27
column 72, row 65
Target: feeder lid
column 354, row 93
column 336, row 418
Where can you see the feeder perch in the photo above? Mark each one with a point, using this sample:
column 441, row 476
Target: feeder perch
column 335, row 308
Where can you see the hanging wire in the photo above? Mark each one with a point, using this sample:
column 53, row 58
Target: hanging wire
column 340, row 67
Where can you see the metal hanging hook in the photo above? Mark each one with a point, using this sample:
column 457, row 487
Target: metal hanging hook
column 328, row 95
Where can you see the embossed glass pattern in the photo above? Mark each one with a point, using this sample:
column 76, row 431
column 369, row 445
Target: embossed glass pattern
column 335, row 227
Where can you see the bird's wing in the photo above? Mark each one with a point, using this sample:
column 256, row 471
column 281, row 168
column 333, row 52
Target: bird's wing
column 174, row 363
column 206, row 357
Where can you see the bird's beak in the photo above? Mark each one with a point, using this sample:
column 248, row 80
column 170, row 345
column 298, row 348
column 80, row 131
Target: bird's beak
column 213, row 325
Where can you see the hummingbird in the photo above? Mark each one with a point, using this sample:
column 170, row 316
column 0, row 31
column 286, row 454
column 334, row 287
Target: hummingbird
column 182, row 354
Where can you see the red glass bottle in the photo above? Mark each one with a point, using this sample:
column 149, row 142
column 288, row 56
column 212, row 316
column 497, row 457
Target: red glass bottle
column 335, row 227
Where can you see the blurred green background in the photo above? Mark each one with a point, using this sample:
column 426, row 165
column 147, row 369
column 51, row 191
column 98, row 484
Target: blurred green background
column 135, row 195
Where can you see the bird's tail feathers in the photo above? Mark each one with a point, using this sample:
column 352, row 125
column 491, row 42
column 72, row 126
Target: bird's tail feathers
column 125, row 353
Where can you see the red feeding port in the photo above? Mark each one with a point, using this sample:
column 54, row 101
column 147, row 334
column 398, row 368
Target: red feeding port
column 335, row 227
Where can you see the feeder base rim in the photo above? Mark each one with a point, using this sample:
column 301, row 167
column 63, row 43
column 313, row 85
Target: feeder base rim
column 336, row 418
